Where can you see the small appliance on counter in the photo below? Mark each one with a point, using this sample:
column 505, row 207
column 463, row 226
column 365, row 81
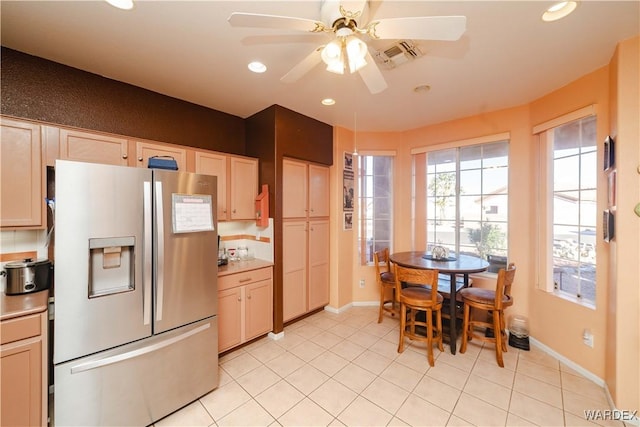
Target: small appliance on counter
column 27, row 276
column 222, row 255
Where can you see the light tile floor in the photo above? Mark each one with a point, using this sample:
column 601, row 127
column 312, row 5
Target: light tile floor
column 344, row 369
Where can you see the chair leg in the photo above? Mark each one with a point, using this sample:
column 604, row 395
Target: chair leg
column 439, row 329
column 503, row 332
column 465, row 329
column 429, row 315
column 403, row 324
column 498, row 336
column 381, row 304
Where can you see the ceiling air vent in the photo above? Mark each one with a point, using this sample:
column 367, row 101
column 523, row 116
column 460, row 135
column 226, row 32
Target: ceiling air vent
column 398, row 54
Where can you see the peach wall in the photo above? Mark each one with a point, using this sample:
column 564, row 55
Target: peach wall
column 565, row 335
column 556, row 322
column 623, row 349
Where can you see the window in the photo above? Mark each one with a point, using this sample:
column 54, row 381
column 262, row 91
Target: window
column 574, row 207
column 467, row 200
column 375, row 193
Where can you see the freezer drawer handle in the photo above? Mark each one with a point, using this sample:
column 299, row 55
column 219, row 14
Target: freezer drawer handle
column 137, row 353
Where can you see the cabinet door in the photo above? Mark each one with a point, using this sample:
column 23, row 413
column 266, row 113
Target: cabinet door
column 93, row 148
column 229, row 318
column 258, row 309
column 294, row 189
column 318, row 191
column 215, row 164
column 243, row 188
column 318, row 264
column 21, row 185
column 294, row 269
column 21, row 383
column 144, row 150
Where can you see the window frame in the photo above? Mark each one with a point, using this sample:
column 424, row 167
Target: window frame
column 545, row 194
column 362, row 218
column 419, row 179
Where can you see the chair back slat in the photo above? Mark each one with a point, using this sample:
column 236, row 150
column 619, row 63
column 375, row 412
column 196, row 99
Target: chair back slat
column 381, row 256
column 503, row 286
column 417, row 277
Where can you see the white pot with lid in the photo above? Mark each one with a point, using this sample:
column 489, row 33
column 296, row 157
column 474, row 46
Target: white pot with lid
column 27, row 276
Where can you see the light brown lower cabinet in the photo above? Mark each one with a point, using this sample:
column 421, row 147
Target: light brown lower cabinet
column 245, row 306
column 23, row 365
column 305, row 281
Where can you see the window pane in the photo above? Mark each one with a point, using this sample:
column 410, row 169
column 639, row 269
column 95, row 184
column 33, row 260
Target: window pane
column 470, row 208
column 495, row 154
column 470, row 157
column 566, row 174
column 566, row 207
column 588, row 170
column 471, row 182
column 495, row 180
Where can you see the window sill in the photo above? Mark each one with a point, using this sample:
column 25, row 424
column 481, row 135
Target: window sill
column 572, row 298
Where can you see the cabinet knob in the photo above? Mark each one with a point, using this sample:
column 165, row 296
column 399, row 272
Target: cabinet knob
column 239, row 299
column 124, row 156
column 249, row 297
column 234, row 211
column 140, row 159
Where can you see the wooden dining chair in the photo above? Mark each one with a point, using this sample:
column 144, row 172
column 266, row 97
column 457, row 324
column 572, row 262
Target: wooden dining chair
column 419, row 294
column 494, row 301
column 386, row 283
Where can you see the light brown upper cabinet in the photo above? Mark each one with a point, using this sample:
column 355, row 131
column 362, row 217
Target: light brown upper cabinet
column 93, row 147
column 144, row 150
column 305, row 190
column 243, row 187
column 237, row 183
column 21, row 172
column 215, row 164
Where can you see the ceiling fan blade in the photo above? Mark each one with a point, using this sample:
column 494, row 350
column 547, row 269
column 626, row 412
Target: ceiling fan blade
column 419, row 28
column 372, row 76
column 256, row 20
column 303, row 66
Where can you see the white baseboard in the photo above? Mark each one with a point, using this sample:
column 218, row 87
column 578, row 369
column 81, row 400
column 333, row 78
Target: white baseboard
column 277, row 336
column 366, row 304
column 585, row 373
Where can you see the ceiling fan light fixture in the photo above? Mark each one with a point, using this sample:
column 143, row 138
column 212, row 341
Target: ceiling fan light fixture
column 356, row 53
column 559, row 11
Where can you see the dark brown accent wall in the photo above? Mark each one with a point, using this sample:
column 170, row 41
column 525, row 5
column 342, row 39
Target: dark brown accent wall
column 271, row 135
column 37, row 89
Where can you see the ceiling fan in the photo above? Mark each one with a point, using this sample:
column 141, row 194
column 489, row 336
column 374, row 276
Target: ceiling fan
column 348, row 50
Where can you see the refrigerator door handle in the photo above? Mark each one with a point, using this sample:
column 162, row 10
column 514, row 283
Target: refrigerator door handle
column 160, row 251
column 147, row 255
column 138, row 352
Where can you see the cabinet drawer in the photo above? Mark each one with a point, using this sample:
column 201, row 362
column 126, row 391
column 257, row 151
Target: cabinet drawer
column 19, row 328
column 244, row 278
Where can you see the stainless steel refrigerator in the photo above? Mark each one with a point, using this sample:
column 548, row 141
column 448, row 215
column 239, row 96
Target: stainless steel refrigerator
column 135, row 327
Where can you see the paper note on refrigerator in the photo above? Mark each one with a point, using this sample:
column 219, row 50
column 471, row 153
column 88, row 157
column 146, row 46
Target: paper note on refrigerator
column 191, row 213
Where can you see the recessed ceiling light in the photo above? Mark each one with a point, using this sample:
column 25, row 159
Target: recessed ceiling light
column 257, row 67
column 121, row 4
column 422, row 88
column 328, row 101
column 559, row 11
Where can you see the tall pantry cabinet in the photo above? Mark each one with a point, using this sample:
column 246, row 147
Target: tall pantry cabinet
column 295, row 154
column 305, row 237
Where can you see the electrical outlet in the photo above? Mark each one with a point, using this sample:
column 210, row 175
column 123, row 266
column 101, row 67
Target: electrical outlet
column 587, row 338
column 362, row 283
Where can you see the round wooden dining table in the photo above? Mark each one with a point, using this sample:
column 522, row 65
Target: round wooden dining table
column 456, row 264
